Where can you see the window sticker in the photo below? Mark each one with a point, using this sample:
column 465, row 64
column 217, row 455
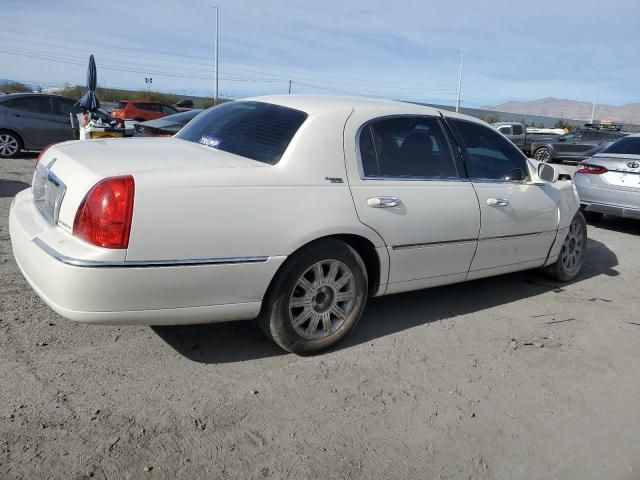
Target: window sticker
column 210, row 141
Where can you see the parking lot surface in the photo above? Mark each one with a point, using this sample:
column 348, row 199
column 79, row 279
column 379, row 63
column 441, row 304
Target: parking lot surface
column 502, row 378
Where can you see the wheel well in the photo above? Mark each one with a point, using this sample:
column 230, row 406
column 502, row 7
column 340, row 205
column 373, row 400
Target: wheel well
column 367, row 252
column 13, row 132
column 365, row 249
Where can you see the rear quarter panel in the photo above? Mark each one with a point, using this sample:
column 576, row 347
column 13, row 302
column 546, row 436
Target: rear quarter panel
column 237, row 212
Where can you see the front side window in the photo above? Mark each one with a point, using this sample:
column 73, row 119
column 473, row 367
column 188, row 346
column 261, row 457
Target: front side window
column 168, row 110
column 505, row 130
column 406, row 147
column 489, row 155
column 256, row 130
column 62, row 107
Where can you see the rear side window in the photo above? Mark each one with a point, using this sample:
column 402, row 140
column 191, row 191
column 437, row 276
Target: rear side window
column 407, row 146
column 256, row 130
column 120, row 105
column 35, row 104
column 517, row 130
column 627, row 145
column 489, row 155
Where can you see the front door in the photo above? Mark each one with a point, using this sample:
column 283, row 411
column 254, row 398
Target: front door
column 519, row 217
column 408, row 187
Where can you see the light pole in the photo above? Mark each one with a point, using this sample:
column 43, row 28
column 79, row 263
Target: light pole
column 460, row 81
column 595, row 100
column 217, row 7
column 148, row 81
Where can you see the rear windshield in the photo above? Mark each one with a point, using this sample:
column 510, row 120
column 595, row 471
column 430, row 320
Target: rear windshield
column 120, row 105
column 628, row 145
column 255, row 130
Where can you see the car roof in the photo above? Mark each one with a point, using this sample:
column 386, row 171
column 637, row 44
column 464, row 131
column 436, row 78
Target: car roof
column 319, row 104
column 32, row 94
column 322, row 104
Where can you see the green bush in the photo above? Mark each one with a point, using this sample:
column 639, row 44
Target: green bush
column 15, row 87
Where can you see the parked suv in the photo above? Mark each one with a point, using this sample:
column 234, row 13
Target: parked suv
column 31, row 121
column 578, row 145
column 141, row 110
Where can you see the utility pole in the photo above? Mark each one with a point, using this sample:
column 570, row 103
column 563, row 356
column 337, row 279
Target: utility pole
column 460, row 81
column 148, row 81
column 289, row 87
column 217, row 7
column 595, row 100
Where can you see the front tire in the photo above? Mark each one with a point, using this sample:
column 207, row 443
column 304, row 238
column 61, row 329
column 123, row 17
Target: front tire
column 10, row 144
column 317, row 298
column 571, row 257
column 542, row 154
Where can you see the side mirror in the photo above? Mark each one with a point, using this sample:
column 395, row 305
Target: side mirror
column 548, row 173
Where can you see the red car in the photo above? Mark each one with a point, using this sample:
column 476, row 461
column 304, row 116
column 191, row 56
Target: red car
column 141, row 110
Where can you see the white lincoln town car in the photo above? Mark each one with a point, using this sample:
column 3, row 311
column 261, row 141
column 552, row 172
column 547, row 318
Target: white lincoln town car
column 290, row 209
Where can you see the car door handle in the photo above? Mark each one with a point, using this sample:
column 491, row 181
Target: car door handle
column 15, row 114
column 383, row 202
column 497, row 202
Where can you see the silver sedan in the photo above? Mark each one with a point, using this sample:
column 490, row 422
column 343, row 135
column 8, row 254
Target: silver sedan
column 609, row 182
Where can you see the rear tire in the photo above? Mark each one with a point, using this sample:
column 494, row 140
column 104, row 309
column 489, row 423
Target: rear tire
column 542, row 154
column 316, row 299
column 10, row 144
column 571, row 257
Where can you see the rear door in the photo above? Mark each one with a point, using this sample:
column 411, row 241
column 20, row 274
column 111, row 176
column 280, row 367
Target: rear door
column 409, row 187
column 519, row 218
column 32, row 117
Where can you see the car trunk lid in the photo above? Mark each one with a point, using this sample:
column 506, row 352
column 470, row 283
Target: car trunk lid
column 68, row 171
column 623, row 170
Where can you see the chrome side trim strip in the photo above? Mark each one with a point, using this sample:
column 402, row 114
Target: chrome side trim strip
column 519, row 235
column 431, row 244
column 145, row 263
column 468, row 240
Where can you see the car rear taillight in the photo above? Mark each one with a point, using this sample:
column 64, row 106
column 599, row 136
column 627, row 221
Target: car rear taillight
column 41, row 154
column 104, row 216
column 591, row 169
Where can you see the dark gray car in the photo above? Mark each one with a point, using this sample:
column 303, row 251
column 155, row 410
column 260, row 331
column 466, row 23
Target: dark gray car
column 578, row 145
column 31, row 121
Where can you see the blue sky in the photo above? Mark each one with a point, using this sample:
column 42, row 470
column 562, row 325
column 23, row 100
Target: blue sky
column 514, row 50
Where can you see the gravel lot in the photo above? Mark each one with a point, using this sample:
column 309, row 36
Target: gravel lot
column 507, row 378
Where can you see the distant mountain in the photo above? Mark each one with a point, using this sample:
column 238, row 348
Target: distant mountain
column 557, row 107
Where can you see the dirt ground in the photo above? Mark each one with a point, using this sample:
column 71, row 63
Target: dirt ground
column 505, row 378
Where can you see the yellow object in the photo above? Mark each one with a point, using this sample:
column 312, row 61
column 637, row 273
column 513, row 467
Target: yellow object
column 107, row 134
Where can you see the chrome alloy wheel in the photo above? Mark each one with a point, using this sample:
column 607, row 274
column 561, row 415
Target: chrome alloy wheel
column 573, row 248
column 322, row 299
column 543, row 155
column 8, row 145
